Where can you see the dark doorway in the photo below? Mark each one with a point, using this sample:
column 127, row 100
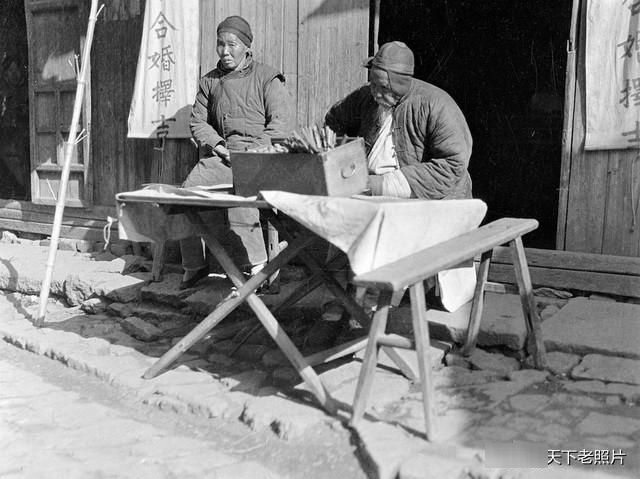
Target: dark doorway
column 504, row 64
column 14, row 103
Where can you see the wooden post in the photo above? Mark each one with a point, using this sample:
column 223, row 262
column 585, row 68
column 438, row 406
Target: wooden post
column 68, row 155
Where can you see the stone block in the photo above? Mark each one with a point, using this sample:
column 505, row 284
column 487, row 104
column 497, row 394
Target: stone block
column 120, row 309
column 607, row 368
column 77, row 289
column 124, row 288
column 210, row 292
column 94, row 306
column 140, row 329
column 166, row 291
column 162, row 315
column 561, row 363
column 495, row 362
column 587, row 326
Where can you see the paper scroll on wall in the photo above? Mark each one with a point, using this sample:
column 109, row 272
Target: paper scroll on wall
column 612, row 74
column 168, row 70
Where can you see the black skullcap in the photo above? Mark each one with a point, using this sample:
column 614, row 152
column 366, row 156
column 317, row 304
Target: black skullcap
column 239, row 27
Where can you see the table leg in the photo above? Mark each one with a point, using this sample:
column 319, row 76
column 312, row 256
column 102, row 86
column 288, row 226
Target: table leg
column 312, row 283
column 273, row 248
column 269, row 321
column 349, row 303
column 158, row 260
column 224, row 308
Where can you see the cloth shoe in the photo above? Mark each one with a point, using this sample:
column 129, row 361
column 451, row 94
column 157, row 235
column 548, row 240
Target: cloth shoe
column 194, row 278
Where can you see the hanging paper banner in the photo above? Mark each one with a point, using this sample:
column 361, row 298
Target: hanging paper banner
column 613, row 74
column 168, row 70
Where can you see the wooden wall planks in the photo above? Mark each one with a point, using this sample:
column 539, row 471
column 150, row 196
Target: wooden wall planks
column 333, row 43
column 318, row 44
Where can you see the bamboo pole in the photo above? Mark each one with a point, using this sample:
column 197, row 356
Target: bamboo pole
column 68, row 155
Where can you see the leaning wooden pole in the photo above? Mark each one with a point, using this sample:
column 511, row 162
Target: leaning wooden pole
column 68, row 155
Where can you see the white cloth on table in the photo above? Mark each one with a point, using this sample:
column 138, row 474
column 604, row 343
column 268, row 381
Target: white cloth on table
column 374, row 231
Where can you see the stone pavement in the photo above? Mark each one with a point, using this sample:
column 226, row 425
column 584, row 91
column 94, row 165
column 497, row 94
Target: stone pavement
column 582, row 412
column 47, row 432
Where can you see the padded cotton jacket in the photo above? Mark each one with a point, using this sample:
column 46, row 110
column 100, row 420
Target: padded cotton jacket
column 430, row 134
column 241, row 109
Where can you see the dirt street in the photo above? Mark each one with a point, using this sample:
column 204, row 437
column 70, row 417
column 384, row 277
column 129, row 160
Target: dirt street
column 59, row 422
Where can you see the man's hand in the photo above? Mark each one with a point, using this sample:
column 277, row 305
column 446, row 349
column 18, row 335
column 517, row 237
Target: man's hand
column 221, row 151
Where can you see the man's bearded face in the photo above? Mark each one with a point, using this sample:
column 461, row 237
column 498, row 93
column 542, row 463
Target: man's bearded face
column 381, row 88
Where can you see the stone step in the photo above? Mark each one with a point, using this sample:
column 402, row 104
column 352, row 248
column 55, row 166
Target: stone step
column 502, row 322
column 607, row 368
column 166, row 291
column 160, row 315
column 587, row 326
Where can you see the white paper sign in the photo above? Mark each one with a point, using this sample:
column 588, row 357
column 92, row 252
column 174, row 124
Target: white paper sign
column 168, row 70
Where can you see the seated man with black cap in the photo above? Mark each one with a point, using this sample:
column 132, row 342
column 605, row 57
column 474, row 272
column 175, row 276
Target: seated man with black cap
column 240, row 104
column 417, row 142
column 417, row 139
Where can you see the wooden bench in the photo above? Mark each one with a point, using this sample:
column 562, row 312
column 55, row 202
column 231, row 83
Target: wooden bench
column 410, row 272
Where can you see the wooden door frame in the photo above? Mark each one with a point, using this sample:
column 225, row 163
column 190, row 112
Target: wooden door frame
column 86, row 201
column 567, row 128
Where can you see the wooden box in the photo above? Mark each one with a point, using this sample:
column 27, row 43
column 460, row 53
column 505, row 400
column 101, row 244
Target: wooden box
column 341, row 171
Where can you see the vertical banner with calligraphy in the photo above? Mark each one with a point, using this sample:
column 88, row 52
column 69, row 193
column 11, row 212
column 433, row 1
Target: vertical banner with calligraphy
column 168, row 70
column 613, row 74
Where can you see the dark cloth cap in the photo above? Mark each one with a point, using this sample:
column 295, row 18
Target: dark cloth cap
column 239, row 27
column 393, row 57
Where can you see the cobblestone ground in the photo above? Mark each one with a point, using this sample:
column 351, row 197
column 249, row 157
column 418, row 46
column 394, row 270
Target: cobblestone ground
column 59, row 423
column 583, row 413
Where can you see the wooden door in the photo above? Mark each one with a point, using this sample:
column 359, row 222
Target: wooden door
column 599, row 205
column 55, row 31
